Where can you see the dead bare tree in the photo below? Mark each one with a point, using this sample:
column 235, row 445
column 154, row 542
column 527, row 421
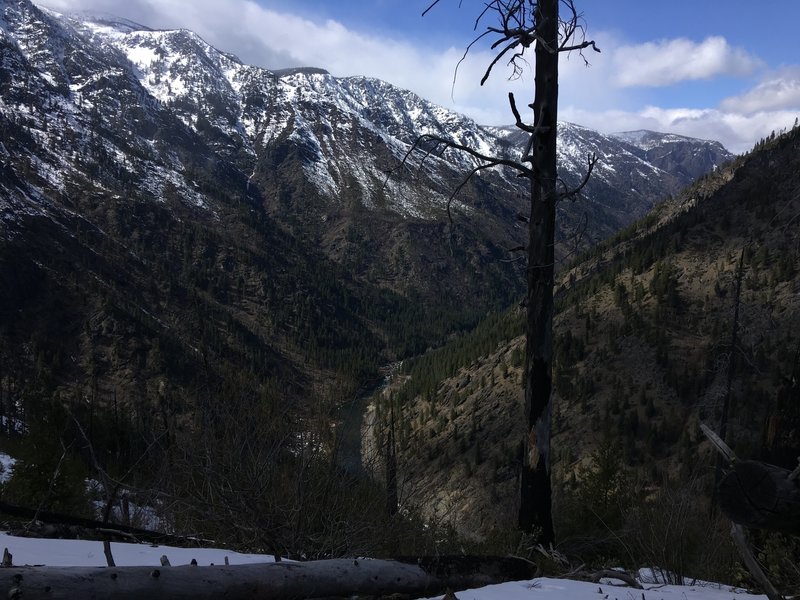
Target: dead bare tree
column 514, row 27
column 730, row 367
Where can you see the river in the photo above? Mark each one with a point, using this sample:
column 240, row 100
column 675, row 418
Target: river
column 351, row 421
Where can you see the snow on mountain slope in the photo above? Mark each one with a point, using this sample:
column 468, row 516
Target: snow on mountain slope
column 70, row 104
column 647, row 140
column 109, row 78
column 686, row 157
column 331, row 117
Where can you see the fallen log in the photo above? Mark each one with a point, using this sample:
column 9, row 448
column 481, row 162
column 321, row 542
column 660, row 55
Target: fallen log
column 276, row 581
column 69, row 526
column 761, row 496
column 627, row 578
column 743, row 547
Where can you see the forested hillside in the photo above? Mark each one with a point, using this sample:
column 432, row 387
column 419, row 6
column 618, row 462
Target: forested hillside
column 644, row 353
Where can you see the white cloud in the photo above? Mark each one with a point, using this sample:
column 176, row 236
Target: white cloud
column 584, row 85
column 781, row 91
column 737, row 122
column 667, row 62
column 737, row 132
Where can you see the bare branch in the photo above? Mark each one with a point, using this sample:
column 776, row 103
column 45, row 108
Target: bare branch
column 490, row 161
column 518, row 30
column 580, row 46
column 719, row 444
column 524, row 37
column 427, row 10
column 519, row 123
column 569, row 30
column 463, row 58
column 527, row 156
column 576, row 238
column 796, row 473
column 592, row 160
column 751, row 563
column 497, row 58
column 469, row 176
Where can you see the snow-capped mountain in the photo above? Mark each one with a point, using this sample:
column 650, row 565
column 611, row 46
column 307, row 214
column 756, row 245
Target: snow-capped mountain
column 159, row 174
column 350, row 134
column 686, row 157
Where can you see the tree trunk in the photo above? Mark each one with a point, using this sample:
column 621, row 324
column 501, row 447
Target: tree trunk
column 761, row 496
column 752, row 564
column 723, row 422
column 276, row 581
column 535, row 512
column 81, row 527
column 392, row 498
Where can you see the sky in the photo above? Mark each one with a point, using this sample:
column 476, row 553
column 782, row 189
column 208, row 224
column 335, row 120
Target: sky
column 715, row 69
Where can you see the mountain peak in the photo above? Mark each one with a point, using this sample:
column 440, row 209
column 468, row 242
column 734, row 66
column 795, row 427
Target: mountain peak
column 687, row 157
column 113, row 22
column 288, row 72
column 646, row 137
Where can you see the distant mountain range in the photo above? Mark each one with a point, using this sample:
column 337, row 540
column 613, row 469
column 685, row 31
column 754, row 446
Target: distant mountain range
column 167, row 210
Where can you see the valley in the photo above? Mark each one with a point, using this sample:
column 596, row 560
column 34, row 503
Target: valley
column 644, row 354
column 207, row 267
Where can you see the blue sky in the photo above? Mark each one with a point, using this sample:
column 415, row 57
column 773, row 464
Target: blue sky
column 718, row 69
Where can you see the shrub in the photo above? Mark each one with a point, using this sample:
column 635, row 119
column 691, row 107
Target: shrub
column 674, row 533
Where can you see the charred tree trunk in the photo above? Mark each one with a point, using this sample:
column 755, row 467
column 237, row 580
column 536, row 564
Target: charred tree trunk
column 761, row 496
column 535, row 512
column 392, row 498
column 723, row 422
column 751, row 563
column 523, row 24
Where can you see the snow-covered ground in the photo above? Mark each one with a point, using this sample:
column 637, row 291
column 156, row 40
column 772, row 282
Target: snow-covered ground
column 32, row 551
column 85, row 553
column 546, row 588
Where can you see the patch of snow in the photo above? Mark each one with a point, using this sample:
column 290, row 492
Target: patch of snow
column 547, row 588
column 6, row 466
column 84, row 553
column 142, row 56
column 17, row 425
